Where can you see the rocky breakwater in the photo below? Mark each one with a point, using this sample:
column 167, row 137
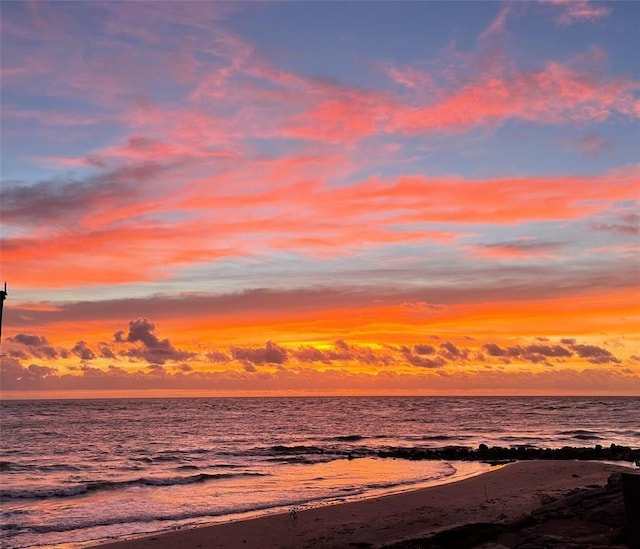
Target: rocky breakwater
column 499, row 454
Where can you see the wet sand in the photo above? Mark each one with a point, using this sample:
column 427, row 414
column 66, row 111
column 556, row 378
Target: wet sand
column 499, row 497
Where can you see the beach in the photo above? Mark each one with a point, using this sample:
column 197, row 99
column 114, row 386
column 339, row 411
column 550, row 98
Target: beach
column 169, row 467
column 500, row 496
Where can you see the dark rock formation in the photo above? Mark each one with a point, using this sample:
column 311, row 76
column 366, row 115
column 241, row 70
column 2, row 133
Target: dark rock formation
column 498, row 454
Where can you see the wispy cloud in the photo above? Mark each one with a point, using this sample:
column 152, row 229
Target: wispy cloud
column 626, row 224
column 575, row 11
column 115, row 208
column 518, row 249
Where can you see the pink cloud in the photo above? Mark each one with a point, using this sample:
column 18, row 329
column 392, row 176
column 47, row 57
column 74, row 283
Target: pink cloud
column 238, row 94
column 499, row 24
column 409, row 77
column 555, row 94
column 573, row 11
column 339, row 120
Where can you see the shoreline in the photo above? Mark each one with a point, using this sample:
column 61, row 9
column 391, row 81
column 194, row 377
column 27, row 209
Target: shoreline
column 463, row 470
column 500, row 495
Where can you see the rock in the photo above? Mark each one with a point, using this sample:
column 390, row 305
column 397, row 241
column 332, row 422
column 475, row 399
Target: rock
column 545, row 499
column 498, row 454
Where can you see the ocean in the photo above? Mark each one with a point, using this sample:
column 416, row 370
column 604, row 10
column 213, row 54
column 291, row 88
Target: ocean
column 80, row 471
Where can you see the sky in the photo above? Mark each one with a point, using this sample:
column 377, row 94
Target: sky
column 283, row 198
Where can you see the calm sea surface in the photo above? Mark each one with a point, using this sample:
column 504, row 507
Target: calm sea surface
column 74, row 471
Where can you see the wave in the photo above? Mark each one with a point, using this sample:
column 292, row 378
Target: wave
column 444, row 437
column 169, row 455
column 98, row 485
column 9, row 466
column 511, row 438
column 281, row 449
column 629, row 433
column 188, row 452
column 6, row 466
column 581, row 434
column 347, row 438
column 172, row 517
column 320, row 453
column 354, row 491
column 155, row 459
column 305, row 460
column 434, row 477
column 354, row 438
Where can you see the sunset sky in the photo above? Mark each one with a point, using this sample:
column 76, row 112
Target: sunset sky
column 320, row 197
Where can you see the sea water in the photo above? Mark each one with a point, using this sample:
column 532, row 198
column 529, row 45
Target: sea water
column 77, row 471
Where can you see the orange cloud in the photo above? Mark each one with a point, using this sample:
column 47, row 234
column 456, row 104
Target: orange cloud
column 511, row 201
column 130, row 239
column 372, row 316
column 19, row 381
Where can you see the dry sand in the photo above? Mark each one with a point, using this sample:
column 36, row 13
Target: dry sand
column 501, row 495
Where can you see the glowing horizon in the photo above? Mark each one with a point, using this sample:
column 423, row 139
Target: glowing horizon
column 308, row 198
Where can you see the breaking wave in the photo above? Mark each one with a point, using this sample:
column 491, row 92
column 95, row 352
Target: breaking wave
column 94, row 486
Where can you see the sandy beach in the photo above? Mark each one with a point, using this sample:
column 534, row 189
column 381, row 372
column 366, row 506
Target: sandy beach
column 502, row 495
